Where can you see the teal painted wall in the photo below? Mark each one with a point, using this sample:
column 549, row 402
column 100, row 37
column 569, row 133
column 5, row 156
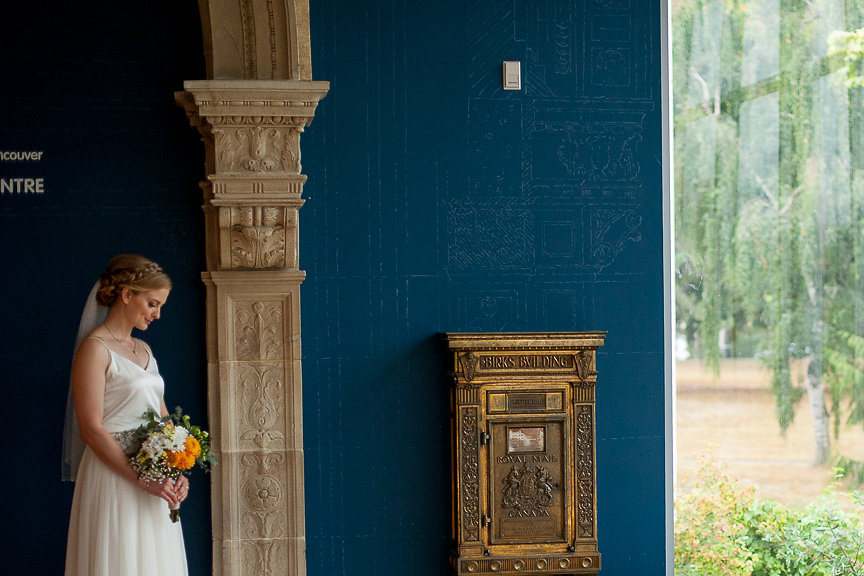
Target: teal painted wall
column 438, row 202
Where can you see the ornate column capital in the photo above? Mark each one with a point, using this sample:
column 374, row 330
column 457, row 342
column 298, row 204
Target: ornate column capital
column 251, row 131
column 252, row 102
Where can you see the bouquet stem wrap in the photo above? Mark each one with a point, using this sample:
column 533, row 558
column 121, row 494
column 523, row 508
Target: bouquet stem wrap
column 174, row 514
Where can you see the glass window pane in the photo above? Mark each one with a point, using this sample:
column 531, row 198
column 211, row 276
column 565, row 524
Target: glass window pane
column 705, row 53
column 831, row 122
column 826, row 16
column 769, row 200
column 759, row 149
column 761, row 41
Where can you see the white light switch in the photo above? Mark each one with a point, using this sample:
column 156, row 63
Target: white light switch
column 512, row 75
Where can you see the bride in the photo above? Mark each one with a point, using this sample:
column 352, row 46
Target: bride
column 119, row 525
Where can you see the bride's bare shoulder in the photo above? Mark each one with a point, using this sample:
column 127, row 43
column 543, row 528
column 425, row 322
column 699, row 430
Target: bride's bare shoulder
column 92, row 349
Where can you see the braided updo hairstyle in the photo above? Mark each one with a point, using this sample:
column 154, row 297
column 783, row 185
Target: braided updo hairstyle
column 130, row 271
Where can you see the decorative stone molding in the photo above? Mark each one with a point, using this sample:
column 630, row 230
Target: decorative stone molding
column 253, row 192
column 257, row 236
column 259, row 331
column 254, row 129
column 256, row 148
column 251, row 112
column 256, row 417
column 251, row 130
column 256, row 38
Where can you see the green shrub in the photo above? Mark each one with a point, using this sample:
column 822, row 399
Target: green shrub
column 722, row 528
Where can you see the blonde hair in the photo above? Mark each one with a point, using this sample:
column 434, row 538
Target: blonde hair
column 130, row 271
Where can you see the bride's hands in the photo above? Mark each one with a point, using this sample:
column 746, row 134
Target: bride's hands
column 181, row 488
column 173, row 492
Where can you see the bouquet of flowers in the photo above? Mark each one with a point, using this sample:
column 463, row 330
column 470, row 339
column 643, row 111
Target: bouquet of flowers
column 169, row 447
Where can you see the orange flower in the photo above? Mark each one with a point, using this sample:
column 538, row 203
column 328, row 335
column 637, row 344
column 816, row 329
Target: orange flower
column 186, row 459
column 179, row 460
column 193, row 447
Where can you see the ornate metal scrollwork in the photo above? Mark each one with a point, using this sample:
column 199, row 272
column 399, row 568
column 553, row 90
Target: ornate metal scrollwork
column 585, row 471
column 470, row 476
column 582, row 361
column 469, row 365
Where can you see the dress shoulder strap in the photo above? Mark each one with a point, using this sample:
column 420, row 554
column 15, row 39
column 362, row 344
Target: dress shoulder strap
column 98, row 340
column 145, row 345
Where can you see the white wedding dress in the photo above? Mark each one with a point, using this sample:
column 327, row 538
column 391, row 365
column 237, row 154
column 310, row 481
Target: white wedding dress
column 115, row 529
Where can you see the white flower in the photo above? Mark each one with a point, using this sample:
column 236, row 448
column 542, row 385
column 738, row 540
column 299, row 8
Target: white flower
column 153, row 446
column 178, row 439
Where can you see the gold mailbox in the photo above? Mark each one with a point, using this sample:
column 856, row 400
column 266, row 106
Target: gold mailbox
column 524, row 489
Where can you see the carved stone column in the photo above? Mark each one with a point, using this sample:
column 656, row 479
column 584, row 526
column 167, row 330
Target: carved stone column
column 251, row 131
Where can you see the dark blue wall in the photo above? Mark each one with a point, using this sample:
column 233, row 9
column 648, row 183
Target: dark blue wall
column 438, row 202
column 91, row 85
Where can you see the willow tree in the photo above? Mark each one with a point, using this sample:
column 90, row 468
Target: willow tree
column 768, row 199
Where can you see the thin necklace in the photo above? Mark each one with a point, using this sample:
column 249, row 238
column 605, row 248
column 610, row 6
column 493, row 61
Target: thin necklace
column 133, row 348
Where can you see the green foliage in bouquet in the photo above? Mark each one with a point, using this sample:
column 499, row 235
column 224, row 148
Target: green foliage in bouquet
column 206, row 458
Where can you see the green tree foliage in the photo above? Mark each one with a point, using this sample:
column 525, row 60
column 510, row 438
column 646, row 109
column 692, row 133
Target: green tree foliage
column 851, row 46
column 769, row 204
